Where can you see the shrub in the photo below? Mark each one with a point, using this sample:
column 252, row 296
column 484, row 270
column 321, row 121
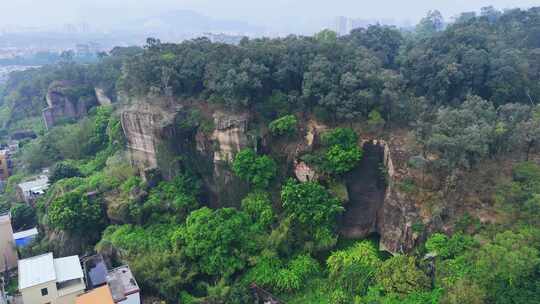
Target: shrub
column 63, row 170
column 285, row 125
column 344, row 137
column 340, row 160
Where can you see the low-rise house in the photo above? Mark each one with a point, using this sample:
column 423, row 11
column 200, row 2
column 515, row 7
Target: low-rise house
column 100, row 295
column 30, row 190
column 123, row 286
column 8, row 252
column 25, row 237
column 46, row 280
column 119, row 283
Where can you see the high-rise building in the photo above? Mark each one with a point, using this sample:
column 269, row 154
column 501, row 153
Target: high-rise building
column 340, row 25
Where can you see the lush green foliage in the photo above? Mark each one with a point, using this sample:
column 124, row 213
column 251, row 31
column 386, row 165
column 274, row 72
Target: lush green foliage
column 178, row 197
column 466, row 90
column 340, row 160
column 219, row 241
column 23, row 217
column 400, row 275
column 257, row 170
column 76, row 213
column 259, row 207
column 312, row 210
column 285, row 125
column 353, row 269
column 63, row 170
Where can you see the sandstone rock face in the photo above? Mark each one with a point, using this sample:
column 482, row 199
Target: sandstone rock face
column 102, row 98
column 61, row 106
column 376, row 208
column 154, row 140
column 141, row 124
column 229, row 137
column 398, row 213
column 230, row 134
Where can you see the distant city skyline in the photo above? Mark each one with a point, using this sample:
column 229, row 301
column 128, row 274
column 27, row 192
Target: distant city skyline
column 276, row 15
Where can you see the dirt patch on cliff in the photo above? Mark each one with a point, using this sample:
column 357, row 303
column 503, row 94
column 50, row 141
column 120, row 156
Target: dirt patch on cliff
column 366, row 186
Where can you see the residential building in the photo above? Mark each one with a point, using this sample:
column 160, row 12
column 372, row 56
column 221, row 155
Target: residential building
column 123, row 286
column 46, row 280
column 25, row 237
column 30, row 190
column 95, row 271
column 100, row 295
column 119, row 281
column 8, row 258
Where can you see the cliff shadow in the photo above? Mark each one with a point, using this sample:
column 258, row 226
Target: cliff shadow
column 366, row 185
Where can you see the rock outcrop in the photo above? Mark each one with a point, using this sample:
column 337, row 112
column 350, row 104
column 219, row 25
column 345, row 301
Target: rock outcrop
column 102, row 98
column 155, row 141
column 389, row 213
column 142, row 124
column 230, row 135
column 157, row 136
column 61, row 106
column 398, row 213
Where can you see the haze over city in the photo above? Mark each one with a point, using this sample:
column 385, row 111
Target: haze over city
column 278, row 15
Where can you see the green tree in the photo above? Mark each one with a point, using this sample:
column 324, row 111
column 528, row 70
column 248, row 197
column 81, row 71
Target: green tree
column 259, row 207
column 285, row 125
column 179, row 197
column 219, row 241
column 313, row 210
column 354, row 269
column 339, row 160
column 23, row 217
column 445, row 247
column 257, row 170
column 399, row 275
column 463, row 136
column 63, row 170
column 430, row 24
column 344, row 137
column 74, row 212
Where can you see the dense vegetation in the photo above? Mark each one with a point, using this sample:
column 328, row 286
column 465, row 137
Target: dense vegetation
column 467, row 94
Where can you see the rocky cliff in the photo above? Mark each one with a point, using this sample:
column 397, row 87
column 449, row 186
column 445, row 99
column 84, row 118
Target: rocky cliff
column 376, row 203
column 66, row 100
column 167, row 139
column 157, row 135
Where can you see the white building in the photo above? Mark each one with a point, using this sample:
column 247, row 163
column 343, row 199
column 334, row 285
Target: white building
column 45, row 280
column 28, row 191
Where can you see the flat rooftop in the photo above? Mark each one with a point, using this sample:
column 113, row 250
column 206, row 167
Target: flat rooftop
column 122, row 283
column 36, row 270
column 25, row 233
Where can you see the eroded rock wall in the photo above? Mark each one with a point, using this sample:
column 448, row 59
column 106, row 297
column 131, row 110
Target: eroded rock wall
column 398, row 213
column 157, row 138
column 142, row 124
column 61, row 107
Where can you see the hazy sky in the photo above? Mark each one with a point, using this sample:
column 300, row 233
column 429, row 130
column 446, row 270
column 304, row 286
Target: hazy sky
column 269, row 13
